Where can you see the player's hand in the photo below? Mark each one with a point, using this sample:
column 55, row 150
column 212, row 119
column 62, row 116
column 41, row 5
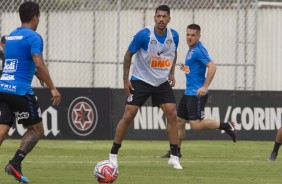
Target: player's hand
column 56, row 97
column 171, row 80
column 127, row 87
column 182, row 66
column 202, row 91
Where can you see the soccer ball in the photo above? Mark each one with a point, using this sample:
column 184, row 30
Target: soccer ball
column 106, row 171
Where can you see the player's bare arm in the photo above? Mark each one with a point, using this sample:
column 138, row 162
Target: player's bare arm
column 39, row 78
column 44, row 74
column 210, row 74
column 126, row 66
column 171, row 77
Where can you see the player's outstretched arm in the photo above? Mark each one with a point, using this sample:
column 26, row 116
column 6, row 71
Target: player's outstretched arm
column 43, row 72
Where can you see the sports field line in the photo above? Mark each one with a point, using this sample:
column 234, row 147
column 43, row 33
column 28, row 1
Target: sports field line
column 149, row 157
column 157, row 161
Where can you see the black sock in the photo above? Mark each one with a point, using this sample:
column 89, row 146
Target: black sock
column 174, row 149
column 276, row 146
column 115, row 148
column 18, row 158
column 178, row 150
column 224, row 126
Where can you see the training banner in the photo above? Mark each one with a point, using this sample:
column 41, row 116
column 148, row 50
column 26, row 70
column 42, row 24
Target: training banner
column 93, row 114
column 256, row 114
column 84, row 113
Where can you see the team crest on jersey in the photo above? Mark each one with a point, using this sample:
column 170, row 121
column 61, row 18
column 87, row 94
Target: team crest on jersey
column 154, row 42
column 189, row 55
column 82, row 116
column 168, row 41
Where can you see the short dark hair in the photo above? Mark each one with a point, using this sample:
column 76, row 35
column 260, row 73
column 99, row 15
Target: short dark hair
column 3, row 39
column 163, row 8
column 28, row 10
column 194, row 27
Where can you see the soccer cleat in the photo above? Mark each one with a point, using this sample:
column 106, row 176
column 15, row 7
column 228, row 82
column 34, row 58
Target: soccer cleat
column 113, row 158
column 232, row 132
column 174, row 162
column 273, row 156
column 167, row 155
column 16, row 172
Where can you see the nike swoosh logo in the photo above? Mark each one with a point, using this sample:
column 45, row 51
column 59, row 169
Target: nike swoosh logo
column 159, row 53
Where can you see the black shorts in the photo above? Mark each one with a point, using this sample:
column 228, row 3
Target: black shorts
column 24, row 108
column 192, row 107
column 142, row 91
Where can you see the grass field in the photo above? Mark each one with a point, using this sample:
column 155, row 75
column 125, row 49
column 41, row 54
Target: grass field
column 207, row 162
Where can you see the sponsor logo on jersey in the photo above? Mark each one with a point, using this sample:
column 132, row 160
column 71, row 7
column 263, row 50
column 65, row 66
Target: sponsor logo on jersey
column 160, row 62
column 159, row 53
column 8, row 87
column 11, row 65
column 14, row 37
column 7, row 77
column 82, row 116
column 168, row 41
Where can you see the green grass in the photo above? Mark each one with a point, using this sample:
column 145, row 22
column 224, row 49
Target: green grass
column 207, row 162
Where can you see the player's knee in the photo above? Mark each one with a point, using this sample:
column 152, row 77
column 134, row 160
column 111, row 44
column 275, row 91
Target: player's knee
column 126, row 120
column 171, row 115
column 37, row 129
column 195, row 125
column 181, row 123
column 128, row 116
column 40, row 132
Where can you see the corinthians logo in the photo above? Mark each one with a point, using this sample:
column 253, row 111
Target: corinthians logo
column 82, row 116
